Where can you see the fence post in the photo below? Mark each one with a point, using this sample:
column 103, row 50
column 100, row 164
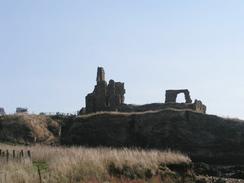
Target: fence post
column 39, row 174
column 13, row 154
column 21, row 153
column 16, row 154
column 29, row 154
column 7, row 155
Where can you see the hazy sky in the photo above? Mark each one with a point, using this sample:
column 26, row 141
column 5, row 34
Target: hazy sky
column 50, row 49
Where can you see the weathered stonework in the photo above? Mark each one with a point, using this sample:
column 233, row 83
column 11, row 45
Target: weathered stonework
column 110, row 97
column 198, row 106
column 171, row 95
column 105, row 97
column 2, row 111
column 100, row 74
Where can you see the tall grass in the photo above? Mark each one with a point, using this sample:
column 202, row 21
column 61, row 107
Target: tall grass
column 80, row 164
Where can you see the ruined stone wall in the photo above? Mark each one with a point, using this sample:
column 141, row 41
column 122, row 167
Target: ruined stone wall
column 100, row 96
column 105, row 97
column 161, row 106
column 171, row 95
column 100, row 74
column 90, row 103
column 110, row 97
column 115, row 94
column 198, row 106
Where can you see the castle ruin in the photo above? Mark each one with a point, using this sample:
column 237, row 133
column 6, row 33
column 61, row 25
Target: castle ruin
column 171, row 96
column 110, row 97
column 105, row 97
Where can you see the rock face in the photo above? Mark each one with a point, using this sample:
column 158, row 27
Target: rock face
column 204, row 137
column 29, row 129
column 105, row 97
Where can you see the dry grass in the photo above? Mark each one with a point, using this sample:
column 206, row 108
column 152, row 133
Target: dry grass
column 132, row 113
column 79, row 164
column 33, row 128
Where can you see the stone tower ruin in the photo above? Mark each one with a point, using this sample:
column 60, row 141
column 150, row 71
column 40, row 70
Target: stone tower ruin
column 105, row 97
column 100, row 74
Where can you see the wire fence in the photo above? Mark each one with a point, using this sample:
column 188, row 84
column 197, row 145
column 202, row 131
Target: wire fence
column 14, row 154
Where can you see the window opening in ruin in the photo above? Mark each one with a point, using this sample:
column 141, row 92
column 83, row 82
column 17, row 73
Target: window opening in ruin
column 181, row 98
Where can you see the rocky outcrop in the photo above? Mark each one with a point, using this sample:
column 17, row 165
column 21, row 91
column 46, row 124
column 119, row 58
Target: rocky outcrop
column 204, row 137
column 27, row 129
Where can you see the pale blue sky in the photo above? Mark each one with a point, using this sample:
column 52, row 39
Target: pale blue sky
column 49, row 51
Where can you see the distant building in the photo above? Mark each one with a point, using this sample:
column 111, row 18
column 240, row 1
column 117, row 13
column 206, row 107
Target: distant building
column 20, row 110
column 2, row 112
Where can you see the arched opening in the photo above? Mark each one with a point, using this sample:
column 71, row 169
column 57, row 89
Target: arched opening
column 181, row 98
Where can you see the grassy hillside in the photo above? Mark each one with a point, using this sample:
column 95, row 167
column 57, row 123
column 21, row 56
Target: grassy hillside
column 25, row 129
column 204, row 137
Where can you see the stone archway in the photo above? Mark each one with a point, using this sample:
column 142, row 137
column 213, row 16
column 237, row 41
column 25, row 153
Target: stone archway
column 171, row 96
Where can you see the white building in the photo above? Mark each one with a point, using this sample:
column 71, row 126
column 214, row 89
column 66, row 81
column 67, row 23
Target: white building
column 2, row 112
column 20, row 110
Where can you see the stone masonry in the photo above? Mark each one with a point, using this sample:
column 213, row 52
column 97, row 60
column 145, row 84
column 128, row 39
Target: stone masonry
column 171, row 95
column 105, row 97
column 110, row 97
